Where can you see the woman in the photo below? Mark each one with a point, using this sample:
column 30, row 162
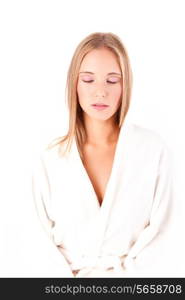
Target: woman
column 103, row 192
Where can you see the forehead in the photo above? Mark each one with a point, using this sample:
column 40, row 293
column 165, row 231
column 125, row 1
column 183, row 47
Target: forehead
column 100, row 60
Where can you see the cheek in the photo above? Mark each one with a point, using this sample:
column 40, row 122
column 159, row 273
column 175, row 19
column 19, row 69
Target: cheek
column 116, row 93
column 78, row 89
column 81, row 90
column 82, row 94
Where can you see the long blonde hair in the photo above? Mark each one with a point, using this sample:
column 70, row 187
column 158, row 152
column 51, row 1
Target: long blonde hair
column 76, row 126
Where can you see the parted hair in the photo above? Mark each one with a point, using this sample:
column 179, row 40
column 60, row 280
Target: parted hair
column 76, row 128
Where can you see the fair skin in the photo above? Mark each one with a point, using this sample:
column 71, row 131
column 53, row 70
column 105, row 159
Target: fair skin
column 105, row 87
column 99, row 81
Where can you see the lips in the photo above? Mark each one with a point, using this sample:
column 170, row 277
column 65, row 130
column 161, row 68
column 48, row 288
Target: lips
column 100, row 105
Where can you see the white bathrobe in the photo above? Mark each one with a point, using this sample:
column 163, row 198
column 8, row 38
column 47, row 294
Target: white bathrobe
column 118, row 238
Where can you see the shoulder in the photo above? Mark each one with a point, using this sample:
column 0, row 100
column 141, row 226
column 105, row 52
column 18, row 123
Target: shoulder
column 150, row 148
column 50, row 154
column 55, row 148
column 147, row 136
column 149, row 143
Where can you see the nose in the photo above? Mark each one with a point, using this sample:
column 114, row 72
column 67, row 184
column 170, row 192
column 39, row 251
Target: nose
column 100, row 92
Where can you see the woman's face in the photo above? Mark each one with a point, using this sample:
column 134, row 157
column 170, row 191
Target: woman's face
column 99, row 82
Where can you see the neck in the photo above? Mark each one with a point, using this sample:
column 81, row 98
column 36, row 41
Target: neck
column 101, row 133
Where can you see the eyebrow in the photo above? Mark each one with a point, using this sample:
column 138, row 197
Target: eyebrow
column 111, row 73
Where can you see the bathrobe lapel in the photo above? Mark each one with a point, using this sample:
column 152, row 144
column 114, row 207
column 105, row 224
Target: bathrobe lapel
column 101, row 220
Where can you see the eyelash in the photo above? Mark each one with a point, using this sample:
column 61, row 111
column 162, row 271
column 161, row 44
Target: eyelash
column 93, row 80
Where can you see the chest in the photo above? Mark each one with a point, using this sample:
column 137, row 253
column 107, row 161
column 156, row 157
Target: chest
column 98, row 164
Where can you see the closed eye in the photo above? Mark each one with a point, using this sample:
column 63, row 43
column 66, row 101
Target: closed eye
column 89, row 81
column 113, row 82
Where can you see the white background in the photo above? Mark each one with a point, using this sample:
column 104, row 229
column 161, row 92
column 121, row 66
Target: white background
column 37, row 41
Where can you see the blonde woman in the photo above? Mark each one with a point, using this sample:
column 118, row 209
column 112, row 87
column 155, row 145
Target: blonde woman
column 103, row 192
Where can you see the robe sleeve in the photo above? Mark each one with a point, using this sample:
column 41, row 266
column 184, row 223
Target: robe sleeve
column 42, row 200
column 146, row 255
